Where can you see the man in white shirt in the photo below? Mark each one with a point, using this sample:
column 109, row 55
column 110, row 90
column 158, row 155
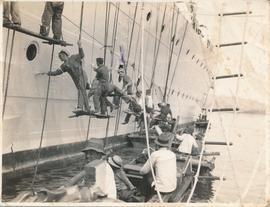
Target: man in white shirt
column 188, row 142
column 164, row 165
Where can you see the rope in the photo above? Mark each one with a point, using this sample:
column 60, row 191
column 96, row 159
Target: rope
column 155, row 62
column 144, row 113
column 179, row 54
column 8, row 73
column 118, row 118
column 131, row 35
column 171, row 52
column 5, row 60
column 43, row 123
column 92, row 55
column 107, row 16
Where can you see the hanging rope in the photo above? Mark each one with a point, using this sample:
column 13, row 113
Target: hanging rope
column 156, row 56
column 131, row 35
column 173, row 33
column 43, row 123
column 144, row 112
column 92, row 55
column 5, row 59
column 8, row 74
column 107, row 16
column 179, row 54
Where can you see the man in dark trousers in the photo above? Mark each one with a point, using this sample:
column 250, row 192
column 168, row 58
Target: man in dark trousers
column 73, row 66
column 52, row 11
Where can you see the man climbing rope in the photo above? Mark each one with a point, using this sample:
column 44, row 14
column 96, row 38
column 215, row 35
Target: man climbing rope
column 135, row 107
column 127, row 82
column 11, row 9
column 73, row 66
column 52, row 11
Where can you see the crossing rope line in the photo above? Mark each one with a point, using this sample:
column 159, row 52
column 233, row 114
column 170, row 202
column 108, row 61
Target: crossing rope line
column 144, row 110
column 43, row 123
column 8, row 74
column 92, row 56
column 5, row 59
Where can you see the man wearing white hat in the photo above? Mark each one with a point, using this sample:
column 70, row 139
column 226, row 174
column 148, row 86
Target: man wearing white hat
column 125, row 189
column 164, row 165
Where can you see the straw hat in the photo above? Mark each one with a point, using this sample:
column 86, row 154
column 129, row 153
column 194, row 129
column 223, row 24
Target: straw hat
column 115, row 161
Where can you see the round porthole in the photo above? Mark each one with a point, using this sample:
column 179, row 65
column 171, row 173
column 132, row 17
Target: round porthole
column 31, row 51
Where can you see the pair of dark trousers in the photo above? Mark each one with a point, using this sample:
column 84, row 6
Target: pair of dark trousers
column 104, row 89
column 11, row 9
column 53, row 11
column 82, row 95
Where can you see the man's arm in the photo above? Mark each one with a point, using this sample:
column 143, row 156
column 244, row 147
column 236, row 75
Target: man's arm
column 125, row 179
column 55, row 73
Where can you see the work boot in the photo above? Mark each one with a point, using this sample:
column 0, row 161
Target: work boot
column 57, row 37
column 44, row 31
column 77, row 110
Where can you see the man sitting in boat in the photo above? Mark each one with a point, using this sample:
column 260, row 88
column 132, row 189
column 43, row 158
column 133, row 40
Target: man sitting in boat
column 125, row 189
column 164, row 165
column 135, row 107
column 188, row 143
column 73, row 66
column 94, row 151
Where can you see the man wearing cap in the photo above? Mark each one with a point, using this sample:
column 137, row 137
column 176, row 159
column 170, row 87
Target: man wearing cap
column 188, row 143
column 164, row 164
column 165, row 110
column 73, row 66
column 125, row 189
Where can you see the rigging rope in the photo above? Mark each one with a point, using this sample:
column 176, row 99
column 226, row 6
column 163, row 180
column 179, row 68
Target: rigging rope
column 171, row 52
column 144, row 112
column 8, row 74
column 179, row 54
column 5, row 59
column 131, row 35
column 43, row 123
column 107, row 16
column 92, row 55
column 156, row 56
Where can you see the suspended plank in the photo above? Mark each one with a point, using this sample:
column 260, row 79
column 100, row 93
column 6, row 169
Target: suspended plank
column 37, row 35
column 234, row 13
column 91, row 114
column 218, row 143
column 228, row 76
column 224, row 109
column 231, row 44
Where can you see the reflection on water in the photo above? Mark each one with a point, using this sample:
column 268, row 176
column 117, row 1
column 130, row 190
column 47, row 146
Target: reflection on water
column 248, row 140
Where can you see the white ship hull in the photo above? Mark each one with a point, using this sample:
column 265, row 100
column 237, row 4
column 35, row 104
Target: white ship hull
column 26, row 95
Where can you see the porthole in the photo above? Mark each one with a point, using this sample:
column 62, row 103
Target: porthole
column 197, row 61
column 201, row 64
column 193, row 57
column 31, row 51
column 187, row 51
column 163, row 27
column 177, row 41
